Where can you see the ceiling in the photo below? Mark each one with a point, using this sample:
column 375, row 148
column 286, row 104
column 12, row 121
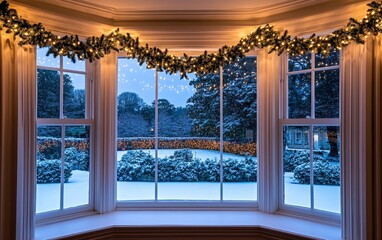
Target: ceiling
column 193, row 25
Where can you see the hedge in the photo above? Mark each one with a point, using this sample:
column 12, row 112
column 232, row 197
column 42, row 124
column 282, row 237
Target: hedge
column 50, row 146
column 181, row 167
column 187, row 142
column 49, row 171
column 324, row 173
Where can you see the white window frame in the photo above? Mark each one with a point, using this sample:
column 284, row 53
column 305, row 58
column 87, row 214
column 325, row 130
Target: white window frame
column 62, row 122
column 191, row 204
column 311, row 122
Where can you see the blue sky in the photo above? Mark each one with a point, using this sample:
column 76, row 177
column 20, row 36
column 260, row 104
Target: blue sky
column 138, row 79
column 131, row 78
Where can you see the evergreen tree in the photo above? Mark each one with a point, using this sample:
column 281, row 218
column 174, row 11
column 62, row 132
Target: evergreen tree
column 239, row 102
column 326, row 93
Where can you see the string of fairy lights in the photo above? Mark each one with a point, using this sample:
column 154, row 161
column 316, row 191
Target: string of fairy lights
column 96, row 47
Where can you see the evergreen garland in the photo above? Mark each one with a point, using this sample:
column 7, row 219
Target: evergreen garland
column 264, row 36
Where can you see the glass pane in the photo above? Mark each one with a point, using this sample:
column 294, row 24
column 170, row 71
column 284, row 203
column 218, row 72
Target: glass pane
column 296, row 166
column 188, row 159
column 48, row 168
column 333, row 59
column 74, row 95
column 77, row 151
column 299, row 62
column 299, row 96
column 327, row 91
column 48, row 94
column 44, row 61
column 135, row 131
column 69, row 65
column 240, row 130
column 326, row 169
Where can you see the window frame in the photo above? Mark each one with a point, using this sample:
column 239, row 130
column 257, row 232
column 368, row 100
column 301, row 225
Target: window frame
column 62, row 122
column 221, row 204
column 284, row 120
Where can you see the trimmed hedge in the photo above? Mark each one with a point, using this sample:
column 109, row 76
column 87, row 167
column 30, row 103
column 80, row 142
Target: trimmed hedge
column 49, row 171
column 323, row 173
column 190, row 142
column 181, row 167
column 50, row 146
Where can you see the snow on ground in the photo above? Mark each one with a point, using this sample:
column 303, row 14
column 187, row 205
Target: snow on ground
column 197, row 153
column 76, row 191
column 186, row 191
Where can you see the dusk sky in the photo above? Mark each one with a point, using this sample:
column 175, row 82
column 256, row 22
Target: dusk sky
column 138, row 79
column 131, row 78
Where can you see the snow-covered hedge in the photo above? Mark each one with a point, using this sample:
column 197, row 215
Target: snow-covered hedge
column 79, row 160
column 294, row 158
column 49, row 171
column 181, row 167
column 324, row 173
column 186, row 142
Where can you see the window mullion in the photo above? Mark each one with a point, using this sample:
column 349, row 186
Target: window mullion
column 62, row 167
column 311, row 167
column 221, row 133
column 156, row 135
column 61, row 89
column 312, row 101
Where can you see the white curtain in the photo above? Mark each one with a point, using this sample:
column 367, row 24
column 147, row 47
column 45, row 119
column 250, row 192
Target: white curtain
column 361, row 140
column 17, row 143
column 268, row 83
column 26, row 74
column 105, row 134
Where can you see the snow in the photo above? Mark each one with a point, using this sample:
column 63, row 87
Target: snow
column 197, row 153
column 186, row 191
column 326, row 197
column 76, row 191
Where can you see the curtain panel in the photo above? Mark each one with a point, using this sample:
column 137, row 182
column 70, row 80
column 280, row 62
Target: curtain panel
column 361, row 140
column 17, row 138
column 8, row 137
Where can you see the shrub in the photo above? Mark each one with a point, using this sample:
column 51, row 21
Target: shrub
column 49, row 171
column 323, row 173
column 240, row 170
column 136, row 166
column 294, row 158
column 181, row 167
column 209, row 171
column 79, row 160
column 176, row 170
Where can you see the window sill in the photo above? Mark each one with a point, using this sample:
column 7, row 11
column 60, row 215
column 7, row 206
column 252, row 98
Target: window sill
column 188, row 218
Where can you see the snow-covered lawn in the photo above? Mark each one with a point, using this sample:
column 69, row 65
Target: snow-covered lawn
column 186, row 191
column 326, row 197
column 197, row 153
column 76, row 191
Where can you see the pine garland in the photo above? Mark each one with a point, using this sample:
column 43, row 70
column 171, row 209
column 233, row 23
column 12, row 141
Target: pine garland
column 263, row 37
